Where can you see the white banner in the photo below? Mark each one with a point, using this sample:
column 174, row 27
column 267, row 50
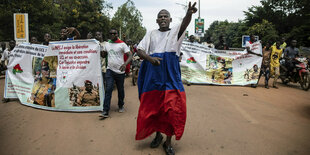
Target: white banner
column 68, row 78
column 203, row 65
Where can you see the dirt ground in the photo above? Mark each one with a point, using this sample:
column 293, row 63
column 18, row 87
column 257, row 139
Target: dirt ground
column 220, row 121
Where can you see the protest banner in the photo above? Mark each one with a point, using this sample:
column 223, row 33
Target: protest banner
column 203, row 65
column 19, row 76
column 65, row 76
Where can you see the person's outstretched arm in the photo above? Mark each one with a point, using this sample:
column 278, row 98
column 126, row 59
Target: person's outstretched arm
column 187, row 19
column 76, row 32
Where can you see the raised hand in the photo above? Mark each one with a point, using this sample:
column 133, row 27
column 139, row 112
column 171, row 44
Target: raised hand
column 70, row 30
column 191, row 8
column 188, row 17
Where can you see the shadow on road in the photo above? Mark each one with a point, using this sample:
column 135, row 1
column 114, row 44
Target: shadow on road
column 305, row 111
column 292, row 85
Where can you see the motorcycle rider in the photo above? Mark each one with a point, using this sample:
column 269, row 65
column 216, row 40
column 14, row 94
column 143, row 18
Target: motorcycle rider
column 290, row 53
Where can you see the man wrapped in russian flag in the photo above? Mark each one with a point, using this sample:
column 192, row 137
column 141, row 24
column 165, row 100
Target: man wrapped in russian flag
column 161, row 92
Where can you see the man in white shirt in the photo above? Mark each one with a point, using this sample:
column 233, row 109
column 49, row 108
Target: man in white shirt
column 248, row 46
column 6, row 53
column 114, row 50
column 161, row 92
column 5, row 60
column 2, row 49
column 250, row 50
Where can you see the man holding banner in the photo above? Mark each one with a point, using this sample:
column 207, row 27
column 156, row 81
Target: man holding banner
column 251, row 47
column 66, row 33
column 161, row 92
column 6, row 53
column 5, row 60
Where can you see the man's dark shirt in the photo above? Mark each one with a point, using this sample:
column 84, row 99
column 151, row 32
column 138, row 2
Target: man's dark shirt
column 290, row 52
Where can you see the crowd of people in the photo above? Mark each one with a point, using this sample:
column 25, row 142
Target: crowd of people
column 272, row 55
column 160, row 115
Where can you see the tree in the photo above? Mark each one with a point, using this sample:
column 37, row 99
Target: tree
column 128, row 20
column 265, row 30
column 49, row 16
column 231, row 31
column 86, row 15
column 289, row 17
column 42, row 15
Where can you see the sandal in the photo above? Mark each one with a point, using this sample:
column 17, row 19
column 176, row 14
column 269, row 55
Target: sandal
column 168, row 149
column 156, row 141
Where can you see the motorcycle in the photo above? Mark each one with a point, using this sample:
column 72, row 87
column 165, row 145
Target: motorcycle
column 136, row 63
column 300, row 73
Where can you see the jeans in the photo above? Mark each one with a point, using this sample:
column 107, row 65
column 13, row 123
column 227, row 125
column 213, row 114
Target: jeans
column 110, row 77
column 265, row 70
column 103, row 79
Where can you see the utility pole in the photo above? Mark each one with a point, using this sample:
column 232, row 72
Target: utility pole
column 199, row 23
column 199, row 9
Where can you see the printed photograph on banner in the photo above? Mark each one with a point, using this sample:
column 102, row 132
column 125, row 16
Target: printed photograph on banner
column 252, row 73
column 53, row 63
column 36, row 67
column 84, row 96
column 219, row 69
column 44, row 72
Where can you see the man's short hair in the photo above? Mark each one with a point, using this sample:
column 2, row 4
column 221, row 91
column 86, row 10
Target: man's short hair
column 114, row 30
column 162, row 10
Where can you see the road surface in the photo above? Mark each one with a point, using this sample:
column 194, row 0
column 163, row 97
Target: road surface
column 220, row 121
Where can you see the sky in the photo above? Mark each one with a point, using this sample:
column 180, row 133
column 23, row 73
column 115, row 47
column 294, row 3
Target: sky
column 210, row 10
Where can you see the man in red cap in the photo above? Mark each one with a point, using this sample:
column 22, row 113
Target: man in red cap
column 88, row 97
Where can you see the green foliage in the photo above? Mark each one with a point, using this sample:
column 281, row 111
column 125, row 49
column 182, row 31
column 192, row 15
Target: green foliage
column 265, row 30
column 287, row 18
column 49, row 16
column 291, row 18
column 231, row 31
column 128, row 20
column 86, row 15
column 41, row 14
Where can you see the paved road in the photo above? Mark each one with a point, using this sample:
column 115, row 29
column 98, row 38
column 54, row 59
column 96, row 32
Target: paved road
column 220, row 121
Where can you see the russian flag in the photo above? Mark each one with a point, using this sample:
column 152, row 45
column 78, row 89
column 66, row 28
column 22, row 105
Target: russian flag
column 162, row 98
